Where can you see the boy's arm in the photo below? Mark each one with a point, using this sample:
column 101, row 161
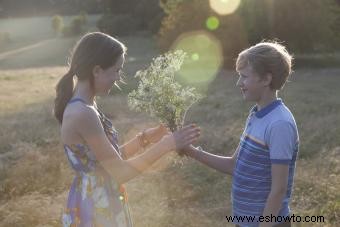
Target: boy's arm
column 217, row 162
column 277, row 192
column 282, row 139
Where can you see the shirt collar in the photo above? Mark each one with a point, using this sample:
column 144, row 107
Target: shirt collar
column 267, row 109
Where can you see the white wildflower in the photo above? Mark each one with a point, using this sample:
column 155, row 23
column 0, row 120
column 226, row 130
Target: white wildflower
column 158, row 93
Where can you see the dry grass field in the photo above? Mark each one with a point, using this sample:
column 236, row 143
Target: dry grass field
column 35, row 175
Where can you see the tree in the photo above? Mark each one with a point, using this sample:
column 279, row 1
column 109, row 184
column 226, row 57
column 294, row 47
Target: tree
column 57, row 24
column 126, row 17
column 301, row 26
column 297, row 23
column 191, row 15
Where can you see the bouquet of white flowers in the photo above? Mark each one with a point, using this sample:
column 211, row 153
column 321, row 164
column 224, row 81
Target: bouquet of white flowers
column 158, row 93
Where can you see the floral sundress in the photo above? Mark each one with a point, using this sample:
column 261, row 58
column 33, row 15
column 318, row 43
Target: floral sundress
column 95, row 198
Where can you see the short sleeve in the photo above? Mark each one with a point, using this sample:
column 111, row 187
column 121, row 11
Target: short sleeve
column 282, row 140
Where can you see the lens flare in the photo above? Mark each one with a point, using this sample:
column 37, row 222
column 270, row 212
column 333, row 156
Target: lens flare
column 204, row 60
column 224, row 7
column 195, row 57
column 212, row 23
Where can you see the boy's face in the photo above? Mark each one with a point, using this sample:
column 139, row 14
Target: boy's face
column 251, row 85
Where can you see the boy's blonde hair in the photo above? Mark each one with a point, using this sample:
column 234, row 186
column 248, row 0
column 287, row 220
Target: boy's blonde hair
column 267, row 57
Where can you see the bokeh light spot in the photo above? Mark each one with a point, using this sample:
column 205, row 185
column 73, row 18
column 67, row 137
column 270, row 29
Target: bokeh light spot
column 224, row 7
column 212, row 23
column 204, row 60
column 195, row 57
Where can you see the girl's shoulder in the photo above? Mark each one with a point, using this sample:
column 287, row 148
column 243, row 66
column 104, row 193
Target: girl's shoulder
column 79, row 111
column 80, row 118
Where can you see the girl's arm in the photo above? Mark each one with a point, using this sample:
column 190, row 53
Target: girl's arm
column 132, row 147
column 143, row 139
column 91, row 130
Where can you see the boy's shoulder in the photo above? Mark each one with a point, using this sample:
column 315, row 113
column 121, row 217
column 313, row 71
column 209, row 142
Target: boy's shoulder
column 276, row 111
column 279, row 117
column 281, row 114
column 281, row 123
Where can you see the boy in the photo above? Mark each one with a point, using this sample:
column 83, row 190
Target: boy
column 263, row 164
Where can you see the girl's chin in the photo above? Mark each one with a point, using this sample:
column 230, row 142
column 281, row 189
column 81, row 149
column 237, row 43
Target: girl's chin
column 104, row 93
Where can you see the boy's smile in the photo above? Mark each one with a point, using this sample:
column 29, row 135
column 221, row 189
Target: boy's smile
column 250, row 84
column 255, row 88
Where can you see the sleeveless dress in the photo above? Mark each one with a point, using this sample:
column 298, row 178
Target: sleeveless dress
column 95, row 198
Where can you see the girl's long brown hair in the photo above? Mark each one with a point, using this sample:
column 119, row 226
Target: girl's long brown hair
column 92, row 49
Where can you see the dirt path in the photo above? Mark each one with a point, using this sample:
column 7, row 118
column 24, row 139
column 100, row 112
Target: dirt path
column 22, row 49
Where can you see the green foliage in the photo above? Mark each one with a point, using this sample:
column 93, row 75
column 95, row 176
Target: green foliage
column 159, row 95
column 302, row 28
column 76, row 26
column 83, row 16
column 131, row 16
column 169, row 5
column 255, row 15
column 28, row 8
column 57, row 24
column 336, row 24
column 297, row 23
column 149, row 15
column 114, row 25
column 191, row 16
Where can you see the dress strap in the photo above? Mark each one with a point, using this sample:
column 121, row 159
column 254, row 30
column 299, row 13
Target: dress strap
column 76, row 100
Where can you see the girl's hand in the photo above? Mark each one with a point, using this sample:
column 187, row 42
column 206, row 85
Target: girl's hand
column 153, row 135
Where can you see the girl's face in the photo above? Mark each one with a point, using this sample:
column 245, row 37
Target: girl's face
column 105, row 79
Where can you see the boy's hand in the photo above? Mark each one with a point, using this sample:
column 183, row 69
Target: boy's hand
column 185, row 150
column 186, row 136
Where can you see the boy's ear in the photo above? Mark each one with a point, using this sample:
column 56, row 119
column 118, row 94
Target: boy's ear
column 268, row 79
column 96, row 70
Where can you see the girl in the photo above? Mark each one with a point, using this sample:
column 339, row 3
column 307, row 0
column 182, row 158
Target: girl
column 97, row 196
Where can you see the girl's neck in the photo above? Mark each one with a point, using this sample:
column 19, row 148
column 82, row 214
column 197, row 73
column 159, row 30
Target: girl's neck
column 83, row 91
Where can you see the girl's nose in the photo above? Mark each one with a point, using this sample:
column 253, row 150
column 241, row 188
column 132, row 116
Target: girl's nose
column 238, row 83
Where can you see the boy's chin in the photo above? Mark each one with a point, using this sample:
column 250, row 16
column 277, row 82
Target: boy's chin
column 248, row 99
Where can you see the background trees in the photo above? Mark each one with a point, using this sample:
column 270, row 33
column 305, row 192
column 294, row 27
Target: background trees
column 305, row 26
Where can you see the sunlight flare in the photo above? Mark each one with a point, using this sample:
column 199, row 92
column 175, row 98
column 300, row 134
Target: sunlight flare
column 224, row 7
column 212, row 23
column 204, row 57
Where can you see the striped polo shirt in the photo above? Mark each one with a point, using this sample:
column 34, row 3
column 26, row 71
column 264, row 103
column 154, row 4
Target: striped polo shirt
column 270, row 137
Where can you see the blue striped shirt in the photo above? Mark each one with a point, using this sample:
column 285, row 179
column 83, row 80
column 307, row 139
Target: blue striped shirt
column 270, row 137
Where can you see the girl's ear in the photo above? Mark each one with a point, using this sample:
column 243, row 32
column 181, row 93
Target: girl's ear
column 97, row 70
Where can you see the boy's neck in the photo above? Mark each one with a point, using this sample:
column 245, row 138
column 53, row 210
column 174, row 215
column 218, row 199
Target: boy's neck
column 266, row 99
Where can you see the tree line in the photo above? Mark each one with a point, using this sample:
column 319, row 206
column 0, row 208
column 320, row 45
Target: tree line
column 306, row 26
